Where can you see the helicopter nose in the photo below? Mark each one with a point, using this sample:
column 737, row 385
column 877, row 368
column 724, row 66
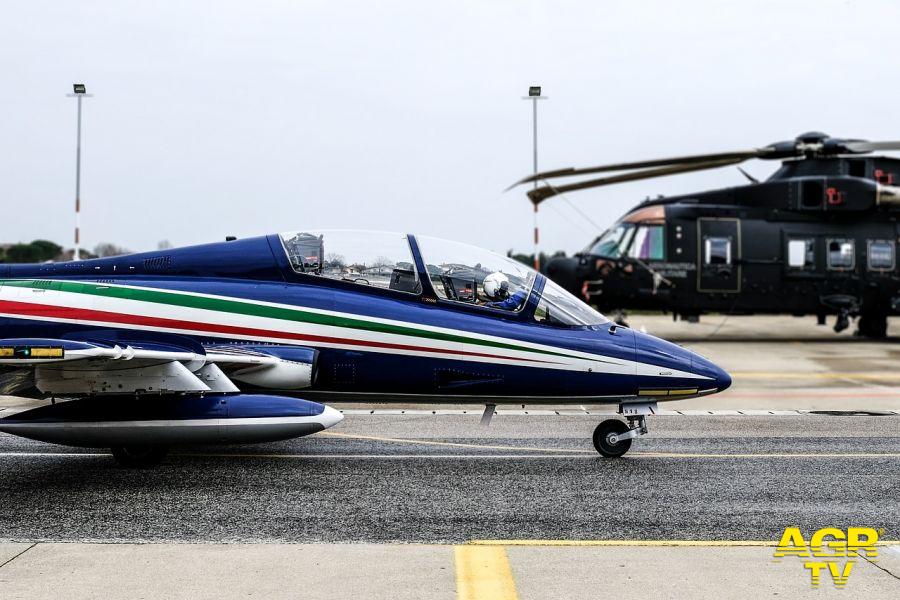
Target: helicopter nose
column 707, row 368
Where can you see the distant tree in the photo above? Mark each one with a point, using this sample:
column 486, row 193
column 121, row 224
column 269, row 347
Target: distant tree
column 164, row 245
column 106, row 249
column 336, row 260
column 36, row 251
column 48, row 249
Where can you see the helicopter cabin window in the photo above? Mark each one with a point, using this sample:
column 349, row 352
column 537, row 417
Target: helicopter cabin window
column 801, row 254
column 648, row 243
column 717, row 251
column 377, row 259
column 881, row 255
column 560, row 308
column 841, row 254
column 471, row 275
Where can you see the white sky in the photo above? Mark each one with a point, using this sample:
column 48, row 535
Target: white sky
column 215, row 118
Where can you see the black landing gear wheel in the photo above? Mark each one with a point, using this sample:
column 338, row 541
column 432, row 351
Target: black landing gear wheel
column 602, row 442
column 872, row 326
column 139, row 457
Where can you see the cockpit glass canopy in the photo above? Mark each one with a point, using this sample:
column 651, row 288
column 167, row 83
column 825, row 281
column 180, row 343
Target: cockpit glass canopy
column 375, row 258
column 458, row 272
column 465, row 273
column 558, row 307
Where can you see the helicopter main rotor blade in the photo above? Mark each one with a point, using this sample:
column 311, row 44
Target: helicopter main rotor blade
column 739, row 155
column 862, row 146
column 540, row 194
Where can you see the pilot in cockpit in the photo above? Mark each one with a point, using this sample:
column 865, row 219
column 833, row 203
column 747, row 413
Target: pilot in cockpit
column 496, row 287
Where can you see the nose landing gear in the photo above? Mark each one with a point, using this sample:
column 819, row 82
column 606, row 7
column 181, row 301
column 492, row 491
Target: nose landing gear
column 612, row 438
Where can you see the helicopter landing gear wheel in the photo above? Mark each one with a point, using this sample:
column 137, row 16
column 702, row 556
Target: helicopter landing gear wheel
column 607, row 431
column 139, row 457
column 872, row 325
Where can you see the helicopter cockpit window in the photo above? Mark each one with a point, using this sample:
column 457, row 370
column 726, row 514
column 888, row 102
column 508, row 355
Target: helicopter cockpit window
column 464, row 273
column 717, row 251
column 881, row 255
column 648, row 243
column 613, row 242
column 559, row 307
column 374, row 258
column 801, row 254
column 841, row 254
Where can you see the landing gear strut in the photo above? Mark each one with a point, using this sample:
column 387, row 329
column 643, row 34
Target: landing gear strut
column 139, row 457
column 612, row 438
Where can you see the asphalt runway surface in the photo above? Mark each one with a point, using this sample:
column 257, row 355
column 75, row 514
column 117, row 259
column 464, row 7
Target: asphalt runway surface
column 445, row 478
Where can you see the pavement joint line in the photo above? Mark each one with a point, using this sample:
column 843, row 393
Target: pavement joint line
column 18, row 555
column 483, row 572
column 879, row 567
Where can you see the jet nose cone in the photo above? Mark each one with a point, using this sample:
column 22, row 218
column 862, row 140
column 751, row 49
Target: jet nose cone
column 330, row 417
column 707, row 368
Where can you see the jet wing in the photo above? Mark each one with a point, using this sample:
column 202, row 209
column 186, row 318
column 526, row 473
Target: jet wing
column 63, row 366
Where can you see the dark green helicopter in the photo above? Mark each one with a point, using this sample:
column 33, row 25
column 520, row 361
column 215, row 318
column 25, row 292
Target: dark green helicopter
column 818, row 237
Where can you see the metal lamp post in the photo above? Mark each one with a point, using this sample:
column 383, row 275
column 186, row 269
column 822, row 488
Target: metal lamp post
column 79, row 92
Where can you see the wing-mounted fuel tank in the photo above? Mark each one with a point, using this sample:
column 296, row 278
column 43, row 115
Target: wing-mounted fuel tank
column 167, row 420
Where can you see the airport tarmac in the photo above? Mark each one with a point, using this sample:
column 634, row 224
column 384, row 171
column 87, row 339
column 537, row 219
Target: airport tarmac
column 398, row 502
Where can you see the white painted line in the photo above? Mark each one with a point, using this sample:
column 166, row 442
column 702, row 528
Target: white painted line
column 590, row 456
column 569, row 412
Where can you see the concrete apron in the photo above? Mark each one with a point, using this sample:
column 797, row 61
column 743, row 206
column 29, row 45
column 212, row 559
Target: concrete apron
column 506, row 572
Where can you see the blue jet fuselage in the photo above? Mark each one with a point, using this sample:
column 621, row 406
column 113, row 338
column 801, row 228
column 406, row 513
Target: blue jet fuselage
column 369, row 343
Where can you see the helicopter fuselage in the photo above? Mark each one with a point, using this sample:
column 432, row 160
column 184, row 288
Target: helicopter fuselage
column 818, row 237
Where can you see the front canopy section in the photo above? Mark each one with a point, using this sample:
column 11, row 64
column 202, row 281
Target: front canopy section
column 472, row 275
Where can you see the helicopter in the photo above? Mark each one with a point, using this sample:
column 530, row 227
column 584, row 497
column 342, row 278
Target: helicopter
column 818, row 237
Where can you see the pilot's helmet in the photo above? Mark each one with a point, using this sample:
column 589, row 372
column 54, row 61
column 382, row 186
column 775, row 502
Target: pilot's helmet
column 496, row 286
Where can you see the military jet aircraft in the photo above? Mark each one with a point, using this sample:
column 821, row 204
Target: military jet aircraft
column 242, row 341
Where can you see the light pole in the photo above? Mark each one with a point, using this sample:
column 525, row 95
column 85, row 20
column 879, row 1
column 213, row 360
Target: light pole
column 534, row 94
column 79, row 93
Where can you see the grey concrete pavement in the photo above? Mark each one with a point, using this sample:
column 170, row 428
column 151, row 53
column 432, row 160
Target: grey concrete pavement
column 422, row 572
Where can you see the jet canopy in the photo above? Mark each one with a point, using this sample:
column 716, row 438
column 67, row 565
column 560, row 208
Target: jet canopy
column 456, row 272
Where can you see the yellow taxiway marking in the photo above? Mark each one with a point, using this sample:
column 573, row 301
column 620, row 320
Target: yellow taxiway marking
column 451, row 444
column 643, row 543
column 483, row 573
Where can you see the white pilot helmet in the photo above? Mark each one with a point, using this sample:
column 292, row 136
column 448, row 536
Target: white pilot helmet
column 496, row 286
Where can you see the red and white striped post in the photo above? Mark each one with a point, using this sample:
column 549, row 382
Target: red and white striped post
column 79, row 93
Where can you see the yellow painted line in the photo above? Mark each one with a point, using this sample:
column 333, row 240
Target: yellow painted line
column 483, row 573
column 644, row 543
column 865, row 375
column 452, row 444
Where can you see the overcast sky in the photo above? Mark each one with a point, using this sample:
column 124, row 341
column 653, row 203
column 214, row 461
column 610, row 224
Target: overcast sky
column 244, row 118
